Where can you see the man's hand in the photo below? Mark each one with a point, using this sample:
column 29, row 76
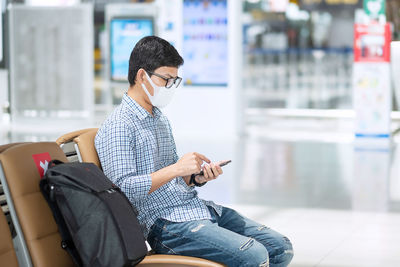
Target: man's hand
column 190, row 163
column 210, row 172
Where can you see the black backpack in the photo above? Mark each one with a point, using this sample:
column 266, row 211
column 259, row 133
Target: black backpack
column 97, row 223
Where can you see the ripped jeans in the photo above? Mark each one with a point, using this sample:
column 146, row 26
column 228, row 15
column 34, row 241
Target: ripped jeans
column 230, row 239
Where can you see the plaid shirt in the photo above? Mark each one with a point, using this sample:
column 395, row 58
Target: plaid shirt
column 131, row 145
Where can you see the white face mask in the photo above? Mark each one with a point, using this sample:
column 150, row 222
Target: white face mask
column 162, row 96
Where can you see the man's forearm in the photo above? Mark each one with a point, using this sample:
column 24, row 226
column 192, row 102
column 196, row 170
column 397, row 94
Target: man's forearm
column 163, row 176
column 185, row 166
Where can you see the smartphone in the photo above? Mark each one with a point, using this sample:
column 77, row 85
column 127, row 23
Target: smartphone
column 225, row 163
column 222, row 164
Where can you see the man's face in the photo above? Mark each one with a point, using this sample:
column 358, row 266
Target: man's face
column 165, row 72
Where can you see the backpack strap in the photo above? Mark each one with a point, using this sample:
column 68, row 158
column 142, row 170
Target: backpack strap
column 66, row 239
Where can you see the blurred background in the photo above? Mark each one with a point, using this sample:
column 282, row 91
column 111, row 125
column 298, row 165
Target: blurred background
column 302, row 95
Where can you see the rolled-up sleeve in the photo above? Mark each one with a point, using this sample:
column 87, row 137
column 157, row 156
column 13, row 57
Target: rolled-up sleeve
column 115, row 145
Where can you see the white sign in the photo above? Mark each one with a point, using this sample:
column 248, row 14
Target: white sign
column 1, row 33
column 372, row 99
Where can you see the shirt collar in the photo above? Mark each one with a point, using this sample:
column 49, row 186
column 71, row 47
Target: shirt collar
column 138, row 110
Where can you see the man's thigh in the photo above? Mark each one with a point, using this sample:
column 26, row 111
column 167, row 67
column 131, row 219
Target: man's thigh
column 205, row 239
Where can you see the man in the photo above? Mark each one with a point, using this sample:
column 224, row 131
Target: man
column 137, row 152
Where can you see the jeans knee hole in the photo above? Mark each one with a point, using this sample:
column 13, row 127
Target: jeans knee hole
column 197, row 228
column 248, row 244
column 262, row 227
column 288, row 251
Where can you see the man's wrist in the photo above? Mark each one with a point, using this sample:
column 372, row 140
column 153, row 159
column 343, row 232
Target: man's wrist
column 194, row 182
column 175, row 170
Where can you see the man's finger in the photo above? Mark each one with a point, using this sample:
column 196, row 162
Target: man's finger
column 213, row 171
column 202, row 157
column 217, row 169
column 199, row 161
column 205, row 173
column 210, row 173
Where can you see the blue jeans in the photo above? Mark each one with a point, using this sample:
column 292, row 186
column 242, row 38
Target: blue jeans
column 230, row 239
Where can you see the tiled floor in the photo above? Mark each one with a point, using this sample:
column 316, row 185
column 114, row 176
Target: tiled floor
column 338, row 203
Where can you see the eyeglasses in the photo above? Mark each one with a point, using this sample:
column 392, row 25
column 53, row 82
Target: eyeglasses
column 169, row 82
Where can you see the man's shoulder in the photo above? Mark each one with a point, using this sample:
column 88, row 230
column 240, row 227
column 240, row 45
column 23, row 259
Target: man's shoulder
column 117, row 122
column 115, row 125
column 121, row 116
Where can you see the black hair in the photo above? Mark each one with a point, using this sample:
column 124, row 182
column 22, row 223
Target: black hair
column 150, row 53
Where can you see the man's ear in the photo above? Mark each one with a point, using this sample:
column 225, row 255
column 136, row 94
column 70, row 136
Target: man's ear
column 142, row 79
column 141, row 76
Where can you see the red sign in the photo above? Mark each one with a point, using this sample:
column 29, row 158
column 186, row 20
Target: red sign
column 42, row 162
column 372, row 42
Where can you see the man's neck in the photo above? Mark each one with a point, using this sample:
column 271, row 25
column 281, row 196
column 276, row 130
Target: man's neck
column 136, row 93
